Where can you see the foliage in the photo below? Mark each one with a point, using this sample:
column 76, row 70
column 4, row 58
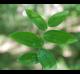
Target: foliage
column 59, row 37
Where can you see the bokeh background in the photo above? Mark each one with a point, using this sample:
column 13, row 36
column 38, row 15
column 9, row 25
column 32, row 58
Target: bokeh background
column 13, row 18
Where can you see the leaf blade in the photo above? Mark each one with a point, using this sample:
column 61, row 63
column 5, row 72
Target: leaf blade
column 57, row 18
column 59, row 37
column 36, row 19
column 27, row 38
column 28, row 58
column 46, row 59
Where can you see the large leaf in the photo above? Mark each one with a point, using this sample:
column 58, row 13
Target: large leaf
column 28, row 58
column 57, row 18
column 59, row 37
column 37, row 19
column 27, row 38
column 46, row 59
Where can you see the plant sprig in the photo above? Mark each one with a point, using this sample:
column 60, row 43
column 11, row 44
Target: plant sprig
column 46, row 58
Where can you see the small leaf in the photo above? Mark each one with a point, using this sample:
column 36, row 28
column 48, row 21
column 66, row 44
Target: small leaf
column 57, row 18
column 27, row 38
column 59, row 37
column 36, row 19
column 46, row 59
column 28, row 58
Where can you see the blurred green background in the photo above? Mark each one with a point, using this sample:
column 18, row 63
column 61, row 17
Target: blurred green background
column 13, row 18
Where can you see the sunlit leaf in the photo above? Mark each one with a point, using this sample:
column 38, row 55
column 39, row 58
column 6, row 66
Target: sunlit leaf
column 27, row 38
column 57, row 18
column 59, row 37
column 36, row 19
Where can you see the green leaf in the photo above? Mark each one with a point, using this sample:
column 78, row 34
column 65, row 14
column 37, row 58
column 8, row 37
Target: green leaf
column 57, row 18
column 59, row 37
column 27, row 38
column 46, row 59
column 28, row 58
column 36, row 19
